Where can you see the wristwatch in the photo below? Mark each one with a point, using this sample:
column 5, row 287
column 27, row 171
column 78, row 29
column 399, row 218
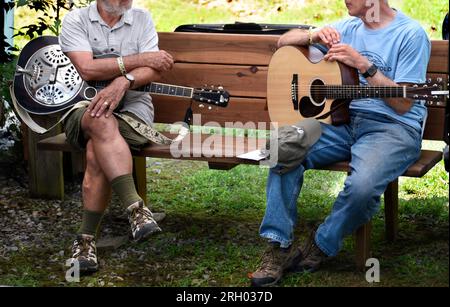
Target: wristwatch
column 130, row 78
column 371, row 71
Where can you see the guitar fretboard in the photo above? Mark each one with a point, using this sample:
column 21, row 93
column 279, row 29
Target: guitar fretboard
column 359, row 92
column 157, row 88
column 169, row 90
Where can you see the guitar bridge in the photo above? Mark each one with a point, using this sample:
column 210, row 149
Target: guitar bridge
column 294, row 91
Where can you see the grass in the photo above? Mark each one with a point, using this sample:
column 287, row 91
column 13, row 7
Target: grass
column 210, row 235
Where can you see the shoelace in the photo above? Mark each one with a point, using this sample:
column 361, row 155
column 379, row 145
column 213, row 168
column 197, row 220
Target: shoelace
column 82, row 248
column 269, row 260
column 140, row 215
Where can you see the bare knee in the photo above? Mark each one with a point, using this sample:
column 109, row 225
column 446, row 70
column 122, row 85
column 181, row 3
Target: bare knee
column 101, row 128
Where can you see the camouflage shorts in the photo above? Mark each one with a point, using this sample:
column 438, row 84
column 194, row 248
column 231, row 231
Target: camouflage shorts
column 75, row 136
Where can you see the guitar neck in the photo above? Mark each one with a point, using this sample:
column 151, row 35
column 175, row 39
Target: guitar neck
column 158, row 89
column 359, row 92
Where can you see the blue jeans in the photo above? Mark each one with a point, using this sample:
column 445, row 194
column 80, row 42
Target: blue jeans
column 380, row 150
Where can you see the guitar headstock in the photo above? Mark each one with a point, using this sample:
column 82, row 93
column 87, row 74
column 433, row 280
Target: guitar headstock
column 213, row 96
column 434, row 91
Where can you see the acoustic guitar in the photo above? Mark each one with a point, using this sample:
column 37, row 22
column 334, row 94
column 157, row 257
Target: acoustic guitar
column 302, row 85
column 47, row 82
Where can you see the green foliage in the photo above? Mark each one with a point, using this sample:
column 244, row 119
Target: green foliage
column 171, row 13
column 51, row 19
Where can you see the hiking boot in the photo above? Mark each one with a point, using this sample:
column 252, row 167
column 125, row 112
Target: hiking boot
column 142, row 222
column 313, row 256
column 275, row 262
column 85, row 252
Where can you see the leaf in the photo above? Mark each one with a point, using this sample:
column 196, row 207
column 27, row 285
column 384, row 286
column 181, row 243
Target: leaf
column 22, row 3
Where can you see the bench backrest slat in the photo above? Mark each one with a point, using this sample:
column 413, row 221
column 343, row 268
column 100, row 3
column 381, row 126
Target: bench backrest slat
column 239, row 63
column 219, row 48
column 439, row 57
column 238, row 80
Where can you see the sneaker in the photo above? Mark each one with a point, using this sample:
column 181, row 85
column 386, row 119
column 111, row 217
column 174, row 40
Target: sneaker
column 142, row 222
column 313, row 256
column 85, row 252
column 275, row 263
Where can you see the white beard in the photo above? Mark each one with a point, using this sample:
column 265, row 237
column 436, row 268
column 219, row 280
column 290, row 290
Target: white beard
column 115, row 10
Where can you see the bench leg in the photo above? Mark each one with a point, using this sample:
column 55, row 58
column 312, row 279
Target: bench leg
column 391, row 210
column 45, row 169
column 140, row 176
column 362, row 238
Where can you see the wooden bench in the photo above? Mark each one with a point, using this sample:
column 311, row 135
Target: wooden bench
column 239, row 63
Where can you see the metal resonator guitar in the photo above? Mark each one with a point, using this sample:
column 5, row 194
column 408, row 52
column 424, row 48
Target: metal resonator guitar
column 47, row 82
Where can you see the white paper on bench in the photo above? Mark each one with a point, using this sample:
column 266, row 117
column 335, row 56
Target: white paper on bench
column 256, row 155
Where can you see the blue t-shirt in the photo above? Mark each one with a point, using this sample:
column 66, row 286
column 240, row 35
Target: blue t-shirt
column 401, row 51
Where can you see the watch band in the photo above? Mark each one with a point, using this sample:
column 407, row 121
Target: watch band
column 123, row 71
column 371, row 71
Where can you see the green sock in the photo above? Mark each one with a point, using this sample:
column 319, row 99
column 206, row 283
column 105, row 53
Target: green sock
column 124, row 187
column 90, row 223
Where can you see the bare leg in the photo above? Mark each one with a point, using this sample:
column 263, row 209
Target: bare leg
column 110, row 148
column 96, row 187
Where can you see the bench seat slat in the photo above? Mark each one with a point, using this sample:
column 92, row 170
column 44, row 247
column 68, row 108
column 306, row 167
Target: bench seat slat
column 427, row 160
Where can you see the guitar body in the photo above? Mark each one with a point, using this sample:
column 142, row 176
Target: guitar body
column 52, row 83
column 291, row 94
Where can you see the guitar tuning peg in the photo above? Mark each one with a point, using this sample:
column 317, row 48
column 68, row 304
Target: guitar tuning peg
column 415, row 85
column 201, row 106
column 220, row 88
column 209, row 108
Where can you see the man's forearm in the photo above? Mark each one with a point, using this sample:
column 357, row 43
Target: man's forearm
column 294, row 37
column 144, row 76
column 400, row 105
column 97, row 69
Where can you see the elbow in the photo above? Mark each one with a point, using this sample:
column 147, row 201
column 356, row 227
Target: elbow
column 85, row 72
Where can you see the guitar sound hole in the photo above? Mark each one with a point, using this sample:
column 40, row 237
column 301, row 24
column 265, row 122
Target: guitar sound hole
column 318, row 93
column 309, row 109
column 90, row 93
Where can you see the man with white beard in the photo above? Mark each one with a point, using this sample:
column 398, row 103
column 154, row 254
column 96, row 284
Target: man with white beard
column 87, row 35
